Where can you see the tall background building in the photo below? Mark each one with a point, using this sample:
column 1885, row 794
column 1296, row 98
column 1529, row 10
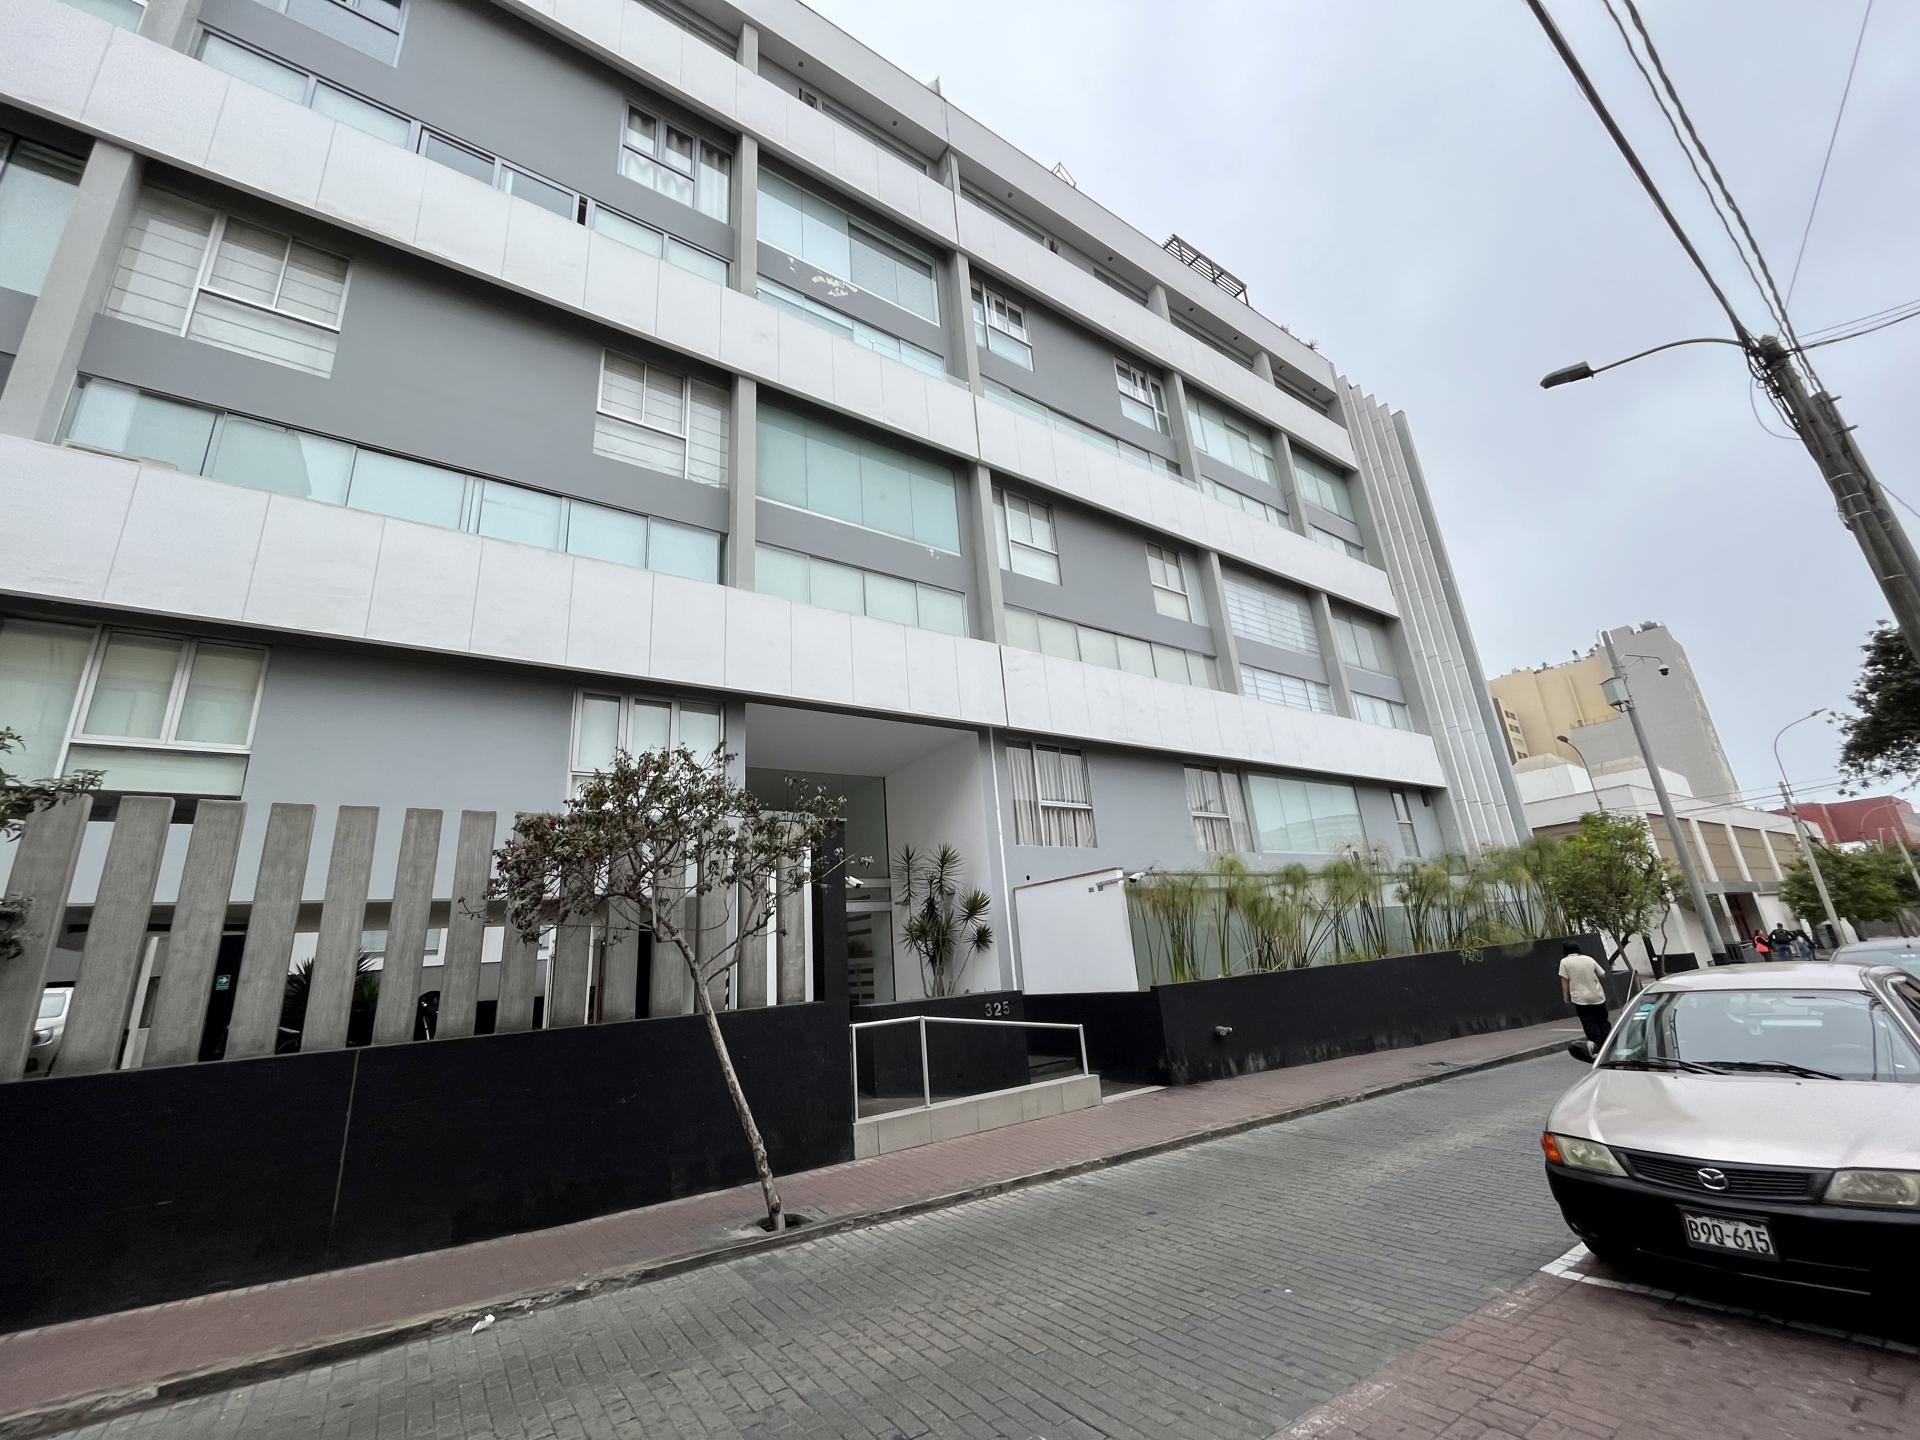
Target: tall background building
column 411, row 402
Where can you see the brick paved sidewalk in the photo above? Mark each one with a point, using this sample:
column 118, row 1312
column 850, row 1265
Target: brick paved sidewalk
column 1558, row 1360
column 177, row 1348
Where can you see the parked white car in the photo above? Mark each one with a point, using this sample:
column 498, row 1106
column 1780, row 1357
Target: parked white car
column 49, row 1024
column 1760, row 1119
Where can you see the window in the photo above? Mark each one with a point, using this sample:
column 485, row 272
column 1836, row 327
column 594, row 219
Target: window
column 648, row 240
column 1219, row 810
column 261, row 456
column 1288, row 690
column 1000, row 325
column 659, row 419
column 1363, row 642
column 1339, row 544
column 1176, row 588
column 810, row 580
column 303, row 88
column 848, row 328
column 675, row 164
column 825, row 236
column 1270, row 615
column 1375, row 711
column 1227, row 495
column 1141, row 399
column 1065, row 640
column 1320, row 484
column 1124, row 286
column 865, row 127
column 1303, row 816
column 127, row 14
column 370, row 26
column 1017, row 221
column 1403, row 819
column 1132, row 454
column 1023, row 529
column 605, row 724
column 231, row 283
column 155, row 713
column 814, row 466
column 695, row 25
column 1052, row 802
column 37, row 186
column 1230, row 439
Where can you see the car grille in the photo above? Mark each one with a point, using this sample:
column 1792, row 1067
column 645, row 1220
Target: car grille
column 1750, row 1182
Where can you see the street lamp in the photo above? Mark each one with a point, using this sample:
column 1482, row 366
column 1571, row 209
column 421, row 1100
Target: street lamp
column 1567, row 374
column 1592, row 784
column 1800, row 829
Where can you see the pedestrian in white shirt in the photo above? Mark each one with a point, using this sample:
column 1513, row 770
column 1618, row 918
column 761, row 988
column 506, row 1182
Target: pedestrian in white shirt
column 1583, row 986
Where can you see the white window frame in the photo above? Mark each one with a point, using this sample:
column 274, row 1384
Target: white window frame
column 1033, row 749
column 623, row 739
column 867, row 576
column 785, row 297
column 1003, row 500
column 861, row 126
column 1165, row 561
column 1205, row 822
column 1399, row 716
column 1319, row 694
column 1339, row 544
column 1238, row 500
column 203, row 282
column 139, row 18
column 1349, row 627
column 1207, row 665
column 994, row 312
column 1137, row 385
column 1314, row 478
column 1099, row 439
column 1284, row 621
column 1403, row 820
column 684, row 434
column 176, row 698
column 662, row 127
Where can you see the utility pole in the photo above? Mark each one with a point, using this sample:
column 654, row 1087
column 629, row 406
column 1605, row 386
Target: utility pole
column 1620, row 697
column 1858, row 496
column 1806, row 851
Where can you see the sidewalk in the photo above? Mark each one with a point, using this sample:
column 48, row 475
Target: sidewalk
column 61, row 1373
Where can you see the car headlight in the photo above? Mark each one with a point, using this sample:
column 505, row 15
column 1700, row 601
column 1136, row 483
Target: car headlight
column 1578, row 1154
column 1875, row 1187
column 43, row 1037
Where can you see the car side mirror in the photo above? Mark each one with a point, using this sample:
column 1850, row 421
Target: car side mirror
column 1581, row 1050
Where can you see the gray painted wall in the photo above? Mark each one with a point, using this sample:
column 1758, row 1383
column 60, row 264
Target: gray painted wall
column 14, row 309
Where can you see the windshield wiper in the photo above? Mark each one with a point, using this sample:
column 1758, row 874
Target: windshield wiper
column 1780, row 1067
column 1658, row 1062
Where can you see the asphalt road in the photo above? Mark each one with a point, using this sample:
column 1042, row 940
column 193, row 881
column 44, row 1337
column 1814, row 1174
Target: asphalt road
column 1221, row 1290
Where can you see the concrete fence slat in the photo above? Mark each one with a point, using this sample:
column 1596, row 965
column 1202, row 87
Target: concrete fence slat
column 620, row 955
column 750, row 993
column 116, row 936
column 713, row 920
column 343, row 920
column 193, row 939
column 400, row 971
column 466, row 924
column 44, row 859
column 567, row 984
column 519, row 969
column 792, row 942
column 261, row 992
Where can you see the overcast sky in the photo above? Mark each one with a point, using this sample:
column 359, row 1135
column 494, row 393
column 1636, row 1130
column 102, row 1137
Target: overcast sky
column 1417, row 186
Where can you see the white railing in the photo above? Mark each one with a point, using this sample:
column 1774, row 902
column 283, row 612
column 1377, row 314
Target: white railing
column 926, row 1072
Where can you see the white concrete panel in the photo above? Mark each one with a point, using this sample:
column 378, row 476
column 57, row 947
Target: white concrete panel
column 1124, row 487
column 269, row 145
column 749, row 335
column 598, row 21
column 898, row 188
column 1229, row 712
column 51, row 55
column 933, row 676
column 880, row 676
column 465, row 221
column 315, row 568
column 689, row 630
column 809, row 135
column 950, row 417
column 1139, row 719
column 520, row 608
column 806, row 357
column 937, row 206
column 653, row 43
column 1075, row 937
column 610, row 622
column 855, row 161
column 1203, row 720
column 856, row 379
column 822, row 656
column 1164, row 507
column 1103, row 700
column 983, row 696
column 761, row 107
column 188, row 545
column 903, row 397
column 689, row 317
column 1033, row 446
column 759, row 655
column 1067, row 707
column 157, row 100
column 1071, row 472
column 371, row 184
column 621, row 284
column 999, row 436
column 1170, row 712
column 61, row 513
column 547, row 256
column 709, row 79
column 1025, row 676
column 424, row 591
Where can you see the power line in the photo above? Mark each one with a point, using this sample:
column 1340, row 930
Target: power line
column 1864, row 330
column 1860, row 319
column 1826, row 160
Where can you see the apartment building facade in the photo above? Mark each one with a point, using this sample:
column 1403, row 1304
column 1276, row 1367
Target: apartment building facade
column 411, row 402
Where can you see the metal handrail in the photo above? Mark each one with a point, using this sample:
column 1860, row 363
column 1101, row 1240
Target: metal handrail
column 926, row 1071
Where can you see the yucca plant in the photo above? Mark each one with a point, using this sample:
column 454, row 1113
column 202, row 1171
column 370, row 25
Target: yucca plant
column 945, row 927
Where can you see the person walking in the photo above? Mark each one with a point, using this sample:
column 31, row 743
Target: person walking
column 1761, row 949
column 1781, row 939
column 1583, row 986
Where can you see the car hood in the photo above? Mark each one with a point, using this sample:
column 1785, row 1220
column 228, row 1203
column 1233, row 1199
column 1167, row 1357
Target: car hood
column 1748, row 1119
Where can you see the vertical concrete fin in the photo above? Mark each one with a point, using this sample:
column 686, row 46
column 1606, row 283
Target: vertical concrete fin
column 567, row 986
column 117, row 938
column 466, row 924
column 343, row 920
column 43, row 865
column 262, row 988
column 193, row 940
column 413, row 879
column 519, row 972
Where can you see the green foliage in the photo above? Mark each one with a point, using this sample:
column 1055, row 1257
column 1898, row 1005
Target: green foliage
column 1609, row 878
column 1866, row 884
column 21, row 798
column 944, row 927
column 1883, row 738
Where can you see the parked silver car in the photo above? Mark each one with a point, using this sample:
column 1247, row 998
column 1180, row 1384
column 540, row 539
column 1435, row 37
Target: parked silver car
column 1902, row 951
column 1761, row 1119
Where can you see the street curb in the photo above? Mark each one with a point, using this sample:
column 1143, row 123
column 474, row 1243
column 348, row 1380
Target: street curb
column 23, row 1425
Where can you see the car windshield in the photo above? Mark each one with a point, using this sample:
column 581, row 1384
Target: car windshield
column 53, row 1004
column 1817, row 1034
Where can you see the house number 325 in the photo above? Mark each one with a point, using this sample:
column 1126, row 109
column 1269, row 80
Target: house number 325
column 999, row 1007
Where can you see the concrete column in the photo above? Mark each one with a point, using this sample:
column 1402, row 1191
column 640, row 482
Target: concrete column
column 1157, row 301
column 956, row 280
column 1739, row 855
column 1226, row 649
column 1263, row 365
column 1180, row 422
column 988, row 592
column 1290, row 488
column 743, row 486
column 748, row 51
column 1330, row 652
column 744, row 274
column 76, row 284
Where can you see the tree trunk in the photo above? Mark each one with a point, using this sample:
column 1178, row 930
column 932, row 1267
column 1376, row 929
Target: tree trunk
column 776, row 1214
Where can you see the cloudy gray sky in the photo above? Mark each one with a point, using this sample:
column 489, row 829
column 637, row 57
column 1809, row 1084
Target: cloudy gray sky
column 1417, row 186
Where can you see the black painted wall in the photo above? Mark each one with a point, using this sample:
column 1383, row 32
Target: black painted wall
column 963, row 1059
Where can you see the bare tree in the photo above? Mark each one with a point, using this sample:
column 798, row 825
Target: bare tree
column 666, row 838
